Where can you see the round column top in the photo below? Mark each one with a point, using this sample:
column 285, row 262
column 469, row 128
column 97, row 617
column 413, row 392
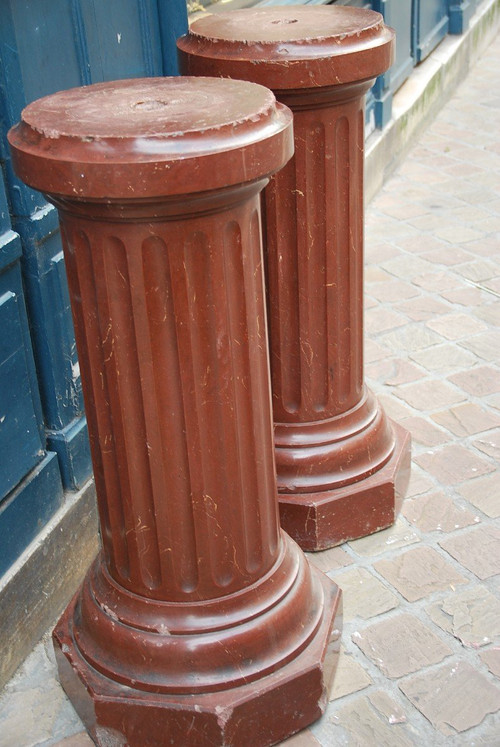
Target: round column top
column 290, row 47
column 151, row 137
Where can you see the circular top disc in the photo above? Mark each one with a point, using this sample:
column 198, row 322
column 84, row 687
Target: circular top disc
column 290, row 47
column 151, row 137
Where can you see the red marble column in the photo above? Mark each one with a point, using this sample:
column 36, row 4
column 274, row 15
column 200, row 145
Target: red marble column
column 342, row 465
column 200, row 621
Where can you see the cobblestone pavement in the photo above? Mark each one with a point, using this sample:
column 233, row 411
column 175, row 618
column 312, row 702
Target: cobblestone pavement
column 420, row 663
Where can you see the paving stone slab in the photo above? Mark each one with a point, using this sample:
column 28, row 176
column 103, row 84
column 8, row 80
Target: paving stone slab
column 393, row 406
column 373, row 351
column 456, row 697
column 363, row 595
column 489, row 444
column 478, row 550
column 386, row 706
column 436, row 512
column 381, row 320
column 492, row 660
column 479, row 381
column 467, row 419
column 350, row 676
column 394, row 290
column 33, row 715
column 453, row 464
column 330, row 560
column 375, row 274
column 472, row 616
column 430, row 395
column 446, row 255
column 456, row 326
column 419, row 483
column 410, row 338
column 419, row 572
column 444, row 359
column 76, row 740
column 394, row 371
column 437, row 282
column 485, row 345
column 378, row 252
column 302, row 739
column 465, row 296
column 424, row 432
column 399, row 535
column 424, row 243
column 422, row 308
column 489, row 312
column 478, row 270
column 484, row 493
column 364, row 726
column 407, row 266
column 400, row 645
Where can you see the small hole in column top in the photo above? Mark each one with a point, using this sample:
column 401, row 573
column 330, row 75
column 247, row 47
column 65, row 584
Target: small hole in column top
column 286, row 20
column 151, row 105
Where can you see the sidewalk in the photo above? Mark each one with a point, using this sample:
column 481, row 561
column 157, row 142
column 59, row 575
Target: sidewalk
column 421, row 657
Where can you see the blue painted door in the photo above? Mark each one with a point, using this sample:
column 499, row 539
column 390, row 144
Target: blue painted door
column 460, row 13
column 399, row 14
column 45, row 46
column 431, row 25
column 30, row 481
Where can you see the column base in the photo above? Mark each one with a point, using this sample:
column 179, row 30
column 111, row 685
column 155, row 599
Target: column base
column 261, row 712
column 324, row 519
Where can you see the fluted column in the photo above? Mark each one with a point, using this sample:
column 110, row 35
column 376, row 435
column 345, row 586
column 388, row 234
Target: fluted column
column 171, row 315
column 316, row 274
column 342, row 465
column 196, row 591
column 330, row 431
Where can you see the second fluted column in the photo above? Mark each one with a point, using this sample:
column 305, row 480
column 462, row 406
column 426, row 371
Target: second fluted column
column 342, row 465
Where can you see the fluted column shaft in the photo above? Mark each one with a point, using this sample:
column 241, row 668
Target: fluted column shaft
column 170, row 322
column 314, row 242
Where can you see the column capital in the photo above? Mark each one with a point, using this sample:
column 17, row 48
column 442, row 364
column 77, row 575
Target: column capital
column 131, row 140
column 290, row 47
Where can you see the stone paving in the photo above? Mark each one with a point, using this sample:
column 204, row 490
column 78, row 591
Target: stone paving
column 420, row 663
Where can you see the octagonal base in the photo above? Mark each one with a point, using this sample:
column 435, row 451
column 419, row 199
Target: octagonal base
column 263, row 712
column 320, row 520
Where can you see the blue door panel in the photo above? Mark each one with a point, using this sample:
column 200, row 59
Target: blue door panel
column 399, row 14
column 26, row 510
column 10, row 282
column 124, row 41
column 46, row 51
column 47, row 46
column 38, row 57
column 30, row 481
column 20, row 444
column 72, row 447
column 51, row 324
column 431, row 25
column 460, row 13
